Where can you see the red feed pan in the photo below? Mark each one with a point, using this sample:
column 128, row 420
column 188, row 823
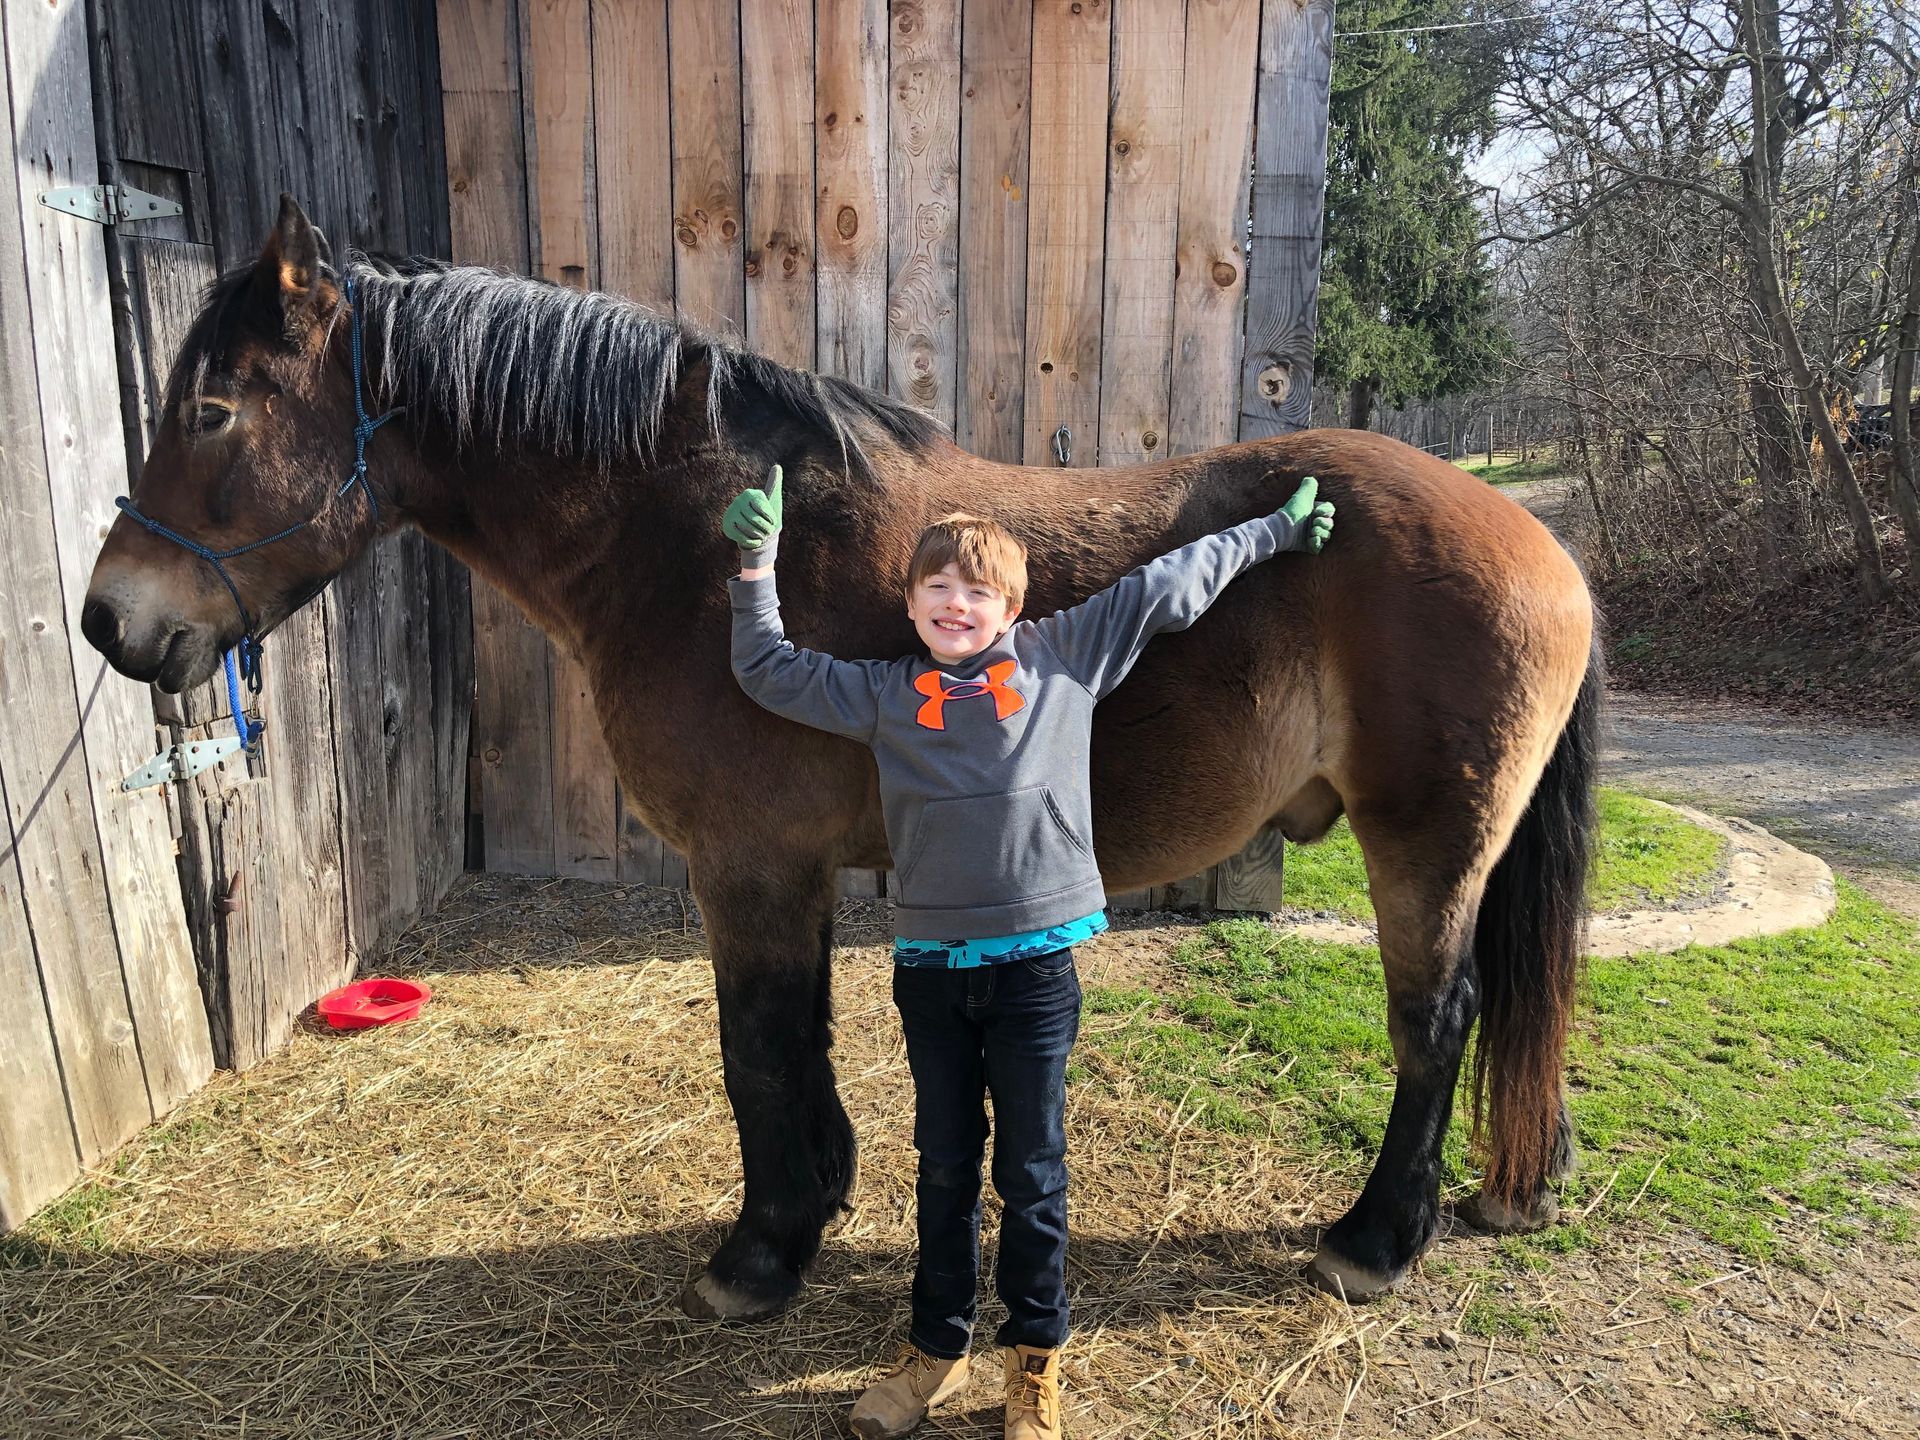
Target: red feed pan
column 372, row 1002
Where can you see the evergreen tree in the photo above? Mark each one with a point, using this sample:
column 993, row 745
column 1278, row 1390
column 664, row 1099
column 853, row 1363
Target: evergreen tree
column 1406, row 305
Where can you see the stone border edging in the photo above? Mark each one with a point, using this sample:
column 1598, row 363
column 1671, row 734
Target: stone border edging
column 1770, row 886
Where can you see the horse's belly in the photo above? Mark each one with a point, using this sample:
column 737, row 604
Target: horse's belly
column 1198, row 750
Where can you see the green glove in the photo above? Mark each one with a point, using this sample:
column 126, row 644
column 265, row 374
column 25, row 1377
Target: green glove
column 752, row 522
column 1311, row 519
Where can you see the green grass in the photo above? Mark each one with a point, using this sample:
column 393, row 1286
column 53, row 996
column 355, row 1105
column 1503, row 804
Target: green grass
column 1647, row 856
column 1508, row 468
column 1743, row 1089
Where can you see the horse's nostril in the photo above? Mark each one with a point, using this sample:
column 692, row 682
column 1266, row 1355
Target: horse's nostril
column 100, row 623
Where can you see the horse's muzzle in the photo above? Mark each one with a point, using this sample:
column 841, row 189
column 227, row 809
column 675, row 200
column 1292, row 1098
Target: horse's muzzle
column 171, row 653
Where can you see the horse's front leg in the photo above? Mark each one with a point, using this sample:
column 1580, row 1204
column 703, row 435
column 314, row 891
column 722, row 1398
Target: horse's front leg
column 769, row 922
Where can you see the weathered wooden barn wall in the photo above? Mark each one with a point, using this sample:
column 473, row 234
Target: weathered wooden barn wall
column 146, row 937
column 1022, row 215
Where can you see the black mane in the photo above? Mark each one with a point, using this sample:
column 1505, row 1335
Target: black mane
column 507, row 361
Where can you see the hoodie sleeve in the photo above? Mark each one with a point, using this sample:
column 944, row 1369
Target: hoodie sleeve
column 1099, row 639
column 841, row 696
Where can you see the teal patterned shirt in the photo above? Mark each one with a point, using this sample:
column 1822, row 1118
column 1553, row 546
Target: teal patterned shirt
column 997, row 949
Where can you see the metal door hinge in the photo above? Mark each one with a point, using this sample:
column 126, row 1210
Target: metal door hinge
column 182, row 762
column 109, row 204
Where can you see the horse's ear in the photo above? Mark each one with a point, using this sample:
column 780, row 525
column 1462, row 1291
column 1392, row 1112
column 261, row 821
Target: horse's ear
column 288, row 269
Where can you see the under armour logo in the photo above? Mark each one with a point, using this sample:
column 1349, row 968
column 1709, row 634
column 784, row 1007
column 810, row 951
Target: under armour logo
column 1006, row 700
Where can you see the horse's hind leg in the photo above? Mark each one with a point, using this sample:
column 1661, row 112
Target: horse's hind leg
column 1426, row 879
column 770, row 928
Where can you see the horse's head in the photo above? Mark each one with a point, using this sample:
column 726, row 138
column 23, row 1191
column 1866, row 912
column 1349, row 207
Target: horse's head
column 256, row 439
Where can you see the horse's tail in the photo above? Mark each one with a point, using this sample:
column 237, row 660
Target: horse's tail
column 1527, row 945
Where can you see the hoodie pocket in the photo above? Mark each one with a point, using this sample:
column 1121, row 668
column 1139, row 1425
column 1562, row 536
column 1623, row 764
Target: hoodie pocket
column 991, row 850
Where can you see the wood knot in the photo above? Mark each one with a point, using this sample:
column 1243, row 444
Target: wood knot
column 1149, row 440
column 1123, row 147
column 1275, row 380
column 728, row 229
column 847, row 222
column 833, row 119
column 684, row 233
column 1224, row 274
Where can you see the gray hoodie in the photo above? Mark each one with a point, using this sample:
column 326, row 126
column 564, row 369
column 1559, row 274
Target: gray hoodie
column 983, row 764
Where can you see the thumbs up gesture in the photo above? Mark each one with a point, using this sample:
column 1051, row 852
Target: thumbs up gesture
column 752, row 521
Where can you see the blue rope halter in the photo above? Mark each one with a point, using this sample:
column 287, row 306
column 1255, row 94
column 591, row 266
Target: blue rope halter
column 243, row 661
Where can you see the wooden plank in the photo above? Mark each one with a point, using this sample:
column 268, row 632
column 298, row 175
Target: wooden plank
column 333, row 163
column 923, row 239
column 560, row 125
column 376, row 93
column 561, row 169
column 231, row 73
column 50, row 869
column 400, row 117
column 38, row 1157
column 1143, row 201
column 1196, row 892
column 1066, row 210
column 270, row 913
column 850, row 175
column 1253, row 879
column 68, row 309
column 633, row 148
column 1289, row 191
column 996, row 87
column 704, row 77
column 1283, row 268
column 512, row 725
column 776, row 60
column 862, row 884
column 157, row 124
column 1223, row 49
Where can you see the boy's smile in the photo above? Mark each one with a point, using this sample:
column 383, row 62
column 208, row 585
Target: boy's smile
column 956, row 617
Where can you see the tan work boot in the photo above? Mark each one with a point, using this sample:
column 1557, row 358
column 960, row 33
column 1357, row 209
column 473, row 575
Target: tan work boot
column 901, row 1397
column 1033, row 1393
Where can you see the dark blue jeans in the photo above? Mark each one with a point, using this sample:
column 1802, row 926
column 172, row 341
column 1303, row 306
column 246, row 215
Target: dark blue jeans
column 1004, row 1030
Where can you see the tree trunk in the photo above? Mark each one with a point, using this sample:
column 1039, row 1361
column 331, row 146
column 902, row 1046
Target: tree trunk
column 1359, row 404
column 1593, row 483
column 1760, row 183
column 1899, row 404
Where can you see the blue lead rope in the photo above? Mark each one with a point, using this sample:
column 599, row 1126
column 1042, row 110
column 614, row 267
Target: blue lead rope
column 243, row 660
column 244, row 724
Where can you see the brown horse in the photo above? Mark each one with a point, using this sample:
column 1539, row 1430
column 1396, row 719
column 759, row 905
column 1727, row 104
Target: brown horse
column 1432, row 674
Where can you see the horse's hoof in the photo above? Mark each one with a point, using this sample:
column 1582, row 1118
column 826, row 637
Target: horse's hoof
column 1344, row 1280
column 1492, row 1216
column 707, row 1299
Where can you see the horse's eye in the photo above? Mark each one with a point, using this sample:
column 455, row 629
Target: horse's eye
column 207, row 419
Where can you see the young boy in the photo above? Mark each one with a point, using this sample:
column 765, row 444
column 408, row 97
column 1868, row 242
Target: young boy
column 982, row 749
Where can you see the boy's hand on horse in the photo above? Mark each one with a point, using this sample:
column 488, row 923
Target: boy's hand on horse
column 1312, row 519
column 753, row 519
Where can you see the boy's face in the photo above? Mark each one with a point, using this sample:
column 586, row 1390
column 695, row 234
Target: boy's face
column 957, row 617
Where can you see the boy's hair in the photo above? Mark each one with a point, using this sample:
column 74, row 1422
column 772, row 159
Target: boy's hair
column 983, row 549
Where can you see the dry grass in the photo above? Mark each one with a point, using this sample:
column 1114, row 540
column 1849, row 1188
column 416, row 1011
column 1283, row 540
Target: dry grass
column 477, row 1224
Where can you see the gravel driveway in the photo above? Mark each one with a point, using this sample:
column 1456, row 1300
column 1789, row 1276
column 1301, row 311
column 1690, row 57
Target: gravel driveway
column 1851, row 796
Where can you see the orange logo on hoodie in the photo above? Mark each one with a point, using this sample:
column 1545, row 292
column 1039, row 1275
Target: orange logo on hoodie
column 1006, row 700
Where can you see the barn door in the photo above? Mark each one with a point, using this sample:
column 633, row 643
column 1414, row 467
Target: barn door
column 101, row 1025
column 350, row 821
column 260, row 840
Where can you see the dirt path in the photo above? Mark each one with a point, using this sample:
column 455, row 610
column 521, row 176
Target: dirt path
column 1850, row 795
